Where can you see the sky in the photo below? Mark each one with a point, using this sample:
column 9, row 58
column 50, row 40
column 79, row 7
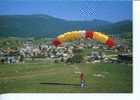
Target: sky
column 109, row 10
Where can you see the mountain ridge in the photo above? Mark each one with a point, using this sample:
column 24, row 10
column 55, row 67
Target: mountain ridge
column 45, row 25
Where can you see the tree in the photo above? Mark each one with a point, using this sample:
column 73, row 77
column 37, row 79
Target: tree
column 78, row 55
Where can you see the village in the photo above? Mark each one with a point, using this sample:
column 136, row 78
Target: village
column 89, row 51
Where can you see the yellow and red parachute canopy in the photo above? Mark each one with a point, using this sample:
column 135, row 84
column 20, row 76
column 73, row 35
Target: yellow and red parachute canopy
column 83, row 34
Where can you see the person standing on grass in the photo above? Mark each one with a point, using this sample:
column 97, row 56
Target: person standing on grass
column 82, row 83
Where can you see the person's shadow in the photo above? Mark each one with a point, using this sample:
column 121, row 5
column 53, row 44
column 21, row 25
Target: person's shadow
column 48, row 83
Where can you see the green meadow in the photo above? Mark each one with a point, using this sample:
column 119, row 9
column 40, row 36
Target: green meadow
column 65, row 78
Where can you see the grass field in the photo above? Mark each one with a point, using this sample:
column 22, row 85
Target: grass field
column 62, row 78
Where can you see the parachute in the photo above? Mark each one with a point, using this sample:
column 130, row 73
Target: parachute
column 69, row 36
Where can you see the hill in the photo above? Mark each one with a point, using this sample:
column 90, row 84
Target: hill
column 44, row 25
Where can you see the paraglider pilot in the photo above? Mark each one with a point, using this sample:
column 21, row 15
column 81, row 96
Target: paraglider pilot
column 82, row 83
